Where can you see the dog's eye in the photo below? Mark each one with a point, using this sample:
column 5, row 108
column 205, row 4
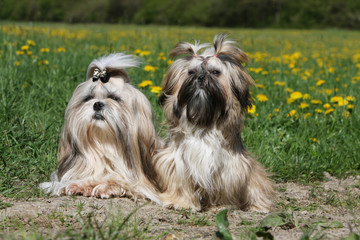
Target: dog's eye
column 88, row 98
column 113, row 97
column 215, row 72
column 191, row 72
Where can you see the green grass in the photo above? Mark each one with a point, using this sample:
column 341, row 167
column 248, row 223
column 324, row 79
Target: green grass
column 33, row 97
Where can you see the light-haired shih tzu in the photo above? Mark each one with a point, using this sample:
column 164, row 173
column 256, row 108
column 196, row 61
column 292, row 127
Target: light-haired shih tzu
column 108, row 138
column 205, row 97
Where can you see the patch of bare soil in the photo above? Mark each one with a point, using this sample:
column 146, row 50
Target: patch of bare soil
column 329, row 210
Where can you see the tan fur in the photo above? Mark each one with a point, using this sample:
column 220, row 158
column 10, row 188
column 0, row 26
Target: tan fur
column 110, row 156
column 206, row 164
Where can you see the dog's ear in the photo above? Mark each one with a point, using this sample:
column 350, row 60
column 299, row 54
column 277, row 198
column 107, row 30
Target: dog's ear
column 229, row 53
column 68, row 152
column 223, row 46
column 187, row 49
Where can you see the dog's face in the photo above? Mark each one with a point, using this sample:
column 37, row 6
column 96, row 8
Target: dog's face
column 204, row 88
column 99, row 111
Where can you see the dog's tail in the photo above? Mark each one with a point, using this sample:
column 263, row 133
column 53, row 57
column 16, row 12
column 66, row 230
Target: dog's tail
column 114, row 63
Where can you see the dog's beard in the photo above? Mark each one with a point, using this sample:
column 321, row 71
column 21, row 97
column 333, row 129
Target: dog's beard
column 204, row 100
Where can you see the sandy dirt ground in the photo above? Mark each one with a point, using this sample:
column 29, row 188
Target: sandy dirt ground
column 331, row 209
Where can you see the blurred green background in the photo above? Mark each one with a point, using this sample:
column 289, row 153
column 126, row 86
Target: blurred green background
column 216, row 13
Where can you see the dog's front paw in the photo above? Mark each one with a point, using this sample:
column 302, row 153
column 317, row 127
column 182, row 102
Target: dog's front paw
column 105, row 190
column 79, row 189
column 179, row 203
column 74, row 189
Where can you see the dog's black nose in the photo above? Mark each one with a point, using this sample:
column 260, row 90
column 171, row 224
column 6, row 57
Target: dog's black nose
column 98, row 106
column 201, row 80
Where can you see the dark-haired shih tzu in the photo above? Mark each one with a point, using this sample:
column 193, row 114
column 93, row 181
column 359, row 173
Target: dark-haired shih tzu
column 205, row 98
column 108, row 138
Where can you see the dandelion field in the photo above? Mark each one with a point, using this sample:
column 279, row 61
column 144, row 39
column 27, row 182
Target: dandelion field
column 305, row 119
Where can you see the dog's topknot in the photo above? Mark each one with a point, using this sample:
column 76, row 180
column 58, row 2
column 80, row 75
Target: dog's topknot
column 185, row 48
column 114, row 64
column 223, row 46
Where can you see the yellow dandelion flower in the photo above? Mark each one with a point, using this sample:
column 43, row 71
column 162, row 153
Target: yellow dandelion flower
column 279, row 83
column 303, row 105
column 29, row 53
column 350, row 106
column 356, row 78
column 319, row 62
column 307, row 73
column 262, row 97
column 44, row 62
column 326, row 106
column 145, row 83
column 295, row 70
column 306, row 115
column 44, row 50
column 358, row 65
column 296, row 95
column 25, row 48
column 260, row 85
column 291, row 113
column 306, row 96
column 290, row 100
column 60, row 49
column 336, row 99
column 169, row 62
column 258, row 70
column 277, row 110
column 296, row 55
column 289, row 90
column 351, row 98
column 346, row 114
column 320, row 82
column 326, row 91
column 137, row 51
column 318, row 110
column 144, row 53
column 161, row 57
column 155, row 89
column 314, row 140
column 30, row 42
column 20, row 52
column 149, row 68
column 315, row 101
column 252, row 109
column 17, row 63
column 342, row 102
column 331, row 70
column 264, row 72
column 330, row 110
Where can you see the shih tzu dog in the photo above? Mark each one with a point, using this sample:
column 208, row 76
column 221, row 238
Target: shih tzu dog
column 205, row 97
column 108, row 138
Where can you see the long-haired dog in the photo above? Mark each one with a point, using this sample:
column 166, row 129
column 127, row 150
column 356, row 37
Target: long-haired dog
column 205, row 98
column 108, row 138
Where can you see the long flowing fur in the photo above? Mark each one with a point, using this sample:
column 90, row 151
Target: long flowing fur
column 204, row 162
column 108, row 138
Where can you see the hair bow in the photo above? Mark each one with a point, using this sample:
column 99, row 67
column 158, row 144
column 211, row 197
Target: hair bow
column 103, row 75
